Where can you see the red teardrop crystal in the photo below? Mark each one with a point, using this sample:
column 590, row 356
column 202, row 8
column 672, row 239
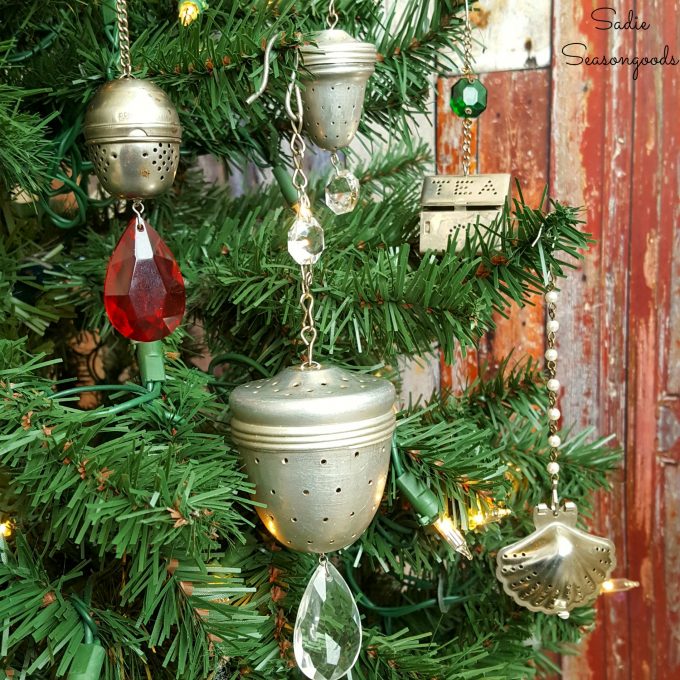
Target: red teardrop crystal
column 143, row 291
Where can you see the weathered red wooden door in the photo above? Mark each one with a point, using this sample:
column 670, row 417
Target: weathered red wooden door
column 609, row 142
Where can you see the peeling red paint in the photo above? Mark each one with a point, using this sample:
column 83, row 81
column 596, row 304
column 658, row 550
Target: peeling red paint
column 614, row 148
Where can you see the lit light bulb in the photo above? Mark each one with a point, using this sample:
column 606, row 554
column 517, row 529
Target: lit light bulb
column 5, row 529
column 452, row 535
column 189, row 10
column 485, row 512
column 618, row 585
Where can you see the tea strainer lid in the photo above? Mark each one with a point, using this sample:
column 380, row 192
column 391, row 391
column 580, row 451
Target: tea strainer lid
column 335, row 47
column 301, row 396
column 128, row 109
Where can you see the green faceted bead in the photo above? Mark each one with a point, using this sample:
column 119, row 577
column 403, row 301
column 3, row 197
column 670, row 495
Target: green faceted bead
column 468, row 98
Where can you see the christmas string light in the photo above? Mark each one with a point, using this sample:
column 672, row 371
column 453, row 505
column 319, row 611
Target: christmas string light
column 427, row 507
column 618, row 585
column 483, row 512
column 189, row 10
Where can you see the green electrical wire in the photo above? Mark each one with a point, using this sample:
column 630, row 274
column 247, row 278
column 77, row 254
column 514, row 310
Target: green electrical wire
column 137, row 389
column 393, row 612
column 144, row 396
column 43, row 44
column 238, row 359
column 396, row 459
column 88, row 622
column 90, row 656
column 286, row 185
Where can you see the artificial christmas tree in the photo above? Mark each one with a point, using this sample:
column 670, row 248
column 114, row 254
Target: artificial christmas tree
column 131, row 527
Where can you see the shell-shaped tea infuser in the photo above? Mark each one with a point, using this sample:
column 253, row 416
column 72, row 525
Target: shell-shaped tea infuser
column 557, row 567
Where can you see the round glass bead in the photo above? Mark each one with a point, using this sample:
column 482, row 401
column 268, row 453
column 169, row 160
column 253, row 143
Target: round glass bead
column 468, row 98
column 305, row 239
column 342, row 192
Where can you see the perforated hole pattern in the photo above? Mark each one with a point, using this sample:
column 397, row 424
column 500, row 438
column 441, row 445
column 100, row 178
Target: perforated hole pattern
column 302, row 388
column 465, row 186
column 302, row 516
column 164, row 158
column 335, row 121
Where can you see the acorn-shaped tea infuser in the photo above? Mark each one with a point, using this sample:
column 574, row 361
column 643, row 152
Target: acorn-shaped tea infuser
column 132, row 131
column 315, row 440
column 557, row 567
column 336, row 68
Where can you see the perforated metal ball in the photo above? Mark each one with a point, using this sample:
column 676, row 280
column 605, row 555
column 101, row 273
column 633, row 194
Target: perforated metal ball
column 133, row 134
column 316, row 444
column 336, row 70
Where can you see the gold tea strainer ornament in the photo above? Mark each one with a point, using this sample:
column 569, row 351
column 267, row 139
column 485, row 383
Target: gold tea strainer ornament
column 132, row 130
column 558, row 567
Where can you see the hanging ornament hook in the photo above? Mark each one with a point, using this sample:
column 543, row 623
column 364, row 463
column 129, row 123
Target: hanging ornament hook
column 296, row 119
column 123, row 38
column 138, row 208
column 332, row 19
column 467, row 44
column 467, row 71
column 265, row 73
column 308, row 332
column 468, row 95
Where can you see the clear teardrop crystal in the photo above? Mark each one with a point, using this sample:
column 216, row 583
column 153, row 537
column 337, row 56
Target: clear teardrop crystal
column 305, row 238
column 327, row 636
column 342, row 192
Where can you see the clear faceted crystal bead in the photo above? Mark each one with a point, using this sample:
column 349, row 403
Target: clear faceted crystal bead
column 342, row 192
column 327, row 636
column 305, row 239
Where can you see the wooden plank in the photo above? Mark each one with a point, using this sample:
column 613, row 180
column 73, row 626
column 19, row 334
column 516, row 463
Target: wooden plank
column 510, row 35
column 655, row 218
column 514, row 137
column 615, row 149
column 590, row 158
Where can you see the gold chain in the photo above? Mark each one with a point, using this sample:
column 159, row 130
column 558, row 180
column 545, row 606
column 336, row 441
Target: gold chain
column 467, row 145
column 308, row 332
column 298, row 147
column 467, row 72
column 297, row 142
column 552, row 389
column 467, row 44
column 123, row 38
